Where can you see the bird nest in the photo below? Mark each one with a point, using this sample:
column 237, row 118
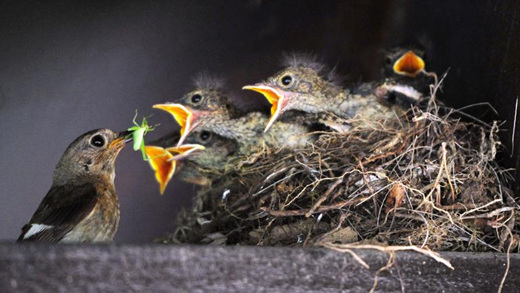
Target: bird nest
column 426, row 179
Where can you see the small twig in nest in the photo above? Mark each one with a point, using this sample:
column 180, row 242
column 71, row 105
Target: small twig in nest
column 324, row 197
column 321, row 209
column 490, row 214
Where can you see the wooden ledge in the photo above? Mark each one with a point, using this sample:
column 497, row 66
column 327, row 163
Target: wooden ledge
column 157, row 268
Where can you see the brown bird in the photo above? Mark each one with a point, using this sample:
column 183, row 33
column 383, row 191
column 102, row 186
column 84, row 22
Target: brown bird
column 203, row 154
column 207, row 108
column 82, row 204
column 305, row 85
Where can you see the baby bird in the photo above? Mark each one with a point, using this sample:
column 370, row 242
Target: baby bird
column 161, row 160
column 82, row 204
column 203, row 154
column 405, row 78
column 207, row 108
column 204, row 106
column 218, row 151
column 305, row 85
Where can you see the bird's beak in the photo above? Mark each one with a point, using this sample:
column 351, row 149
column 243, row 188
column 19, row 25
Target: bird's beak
column 274, row 96
column 161, row 163
column 409, row 64
column 184, row 151
column 122, row 138
column 185, row 118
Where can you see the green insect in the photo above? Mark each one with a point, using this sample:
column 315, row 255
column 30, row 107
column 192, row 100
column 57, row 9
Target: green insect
column 138, row 133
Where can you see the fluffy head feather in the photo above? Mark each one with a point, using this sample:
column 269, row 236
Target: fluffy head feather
column 309, row 60
column 206, row 81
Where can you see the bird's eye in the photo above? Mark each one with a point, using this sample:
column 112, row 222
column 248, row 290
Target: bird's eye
column 388, row 61
column 97, row 140
column 286, row 80
column 205, row 136
column 196, row 98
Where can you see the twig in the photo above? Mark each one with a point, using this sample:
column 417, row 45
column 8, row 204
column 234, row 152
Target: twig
column 481, row 207
column 321, row 209
column 490, row 214
column 478, row 104
column 324, row 196
column 389, row 249
column 508, row 264
column 514, row 129
column 459, row 206
column 445, row 165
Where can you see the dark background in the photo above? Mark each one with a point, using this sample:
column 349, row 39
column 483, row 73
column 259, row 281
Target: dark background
column 66, row 68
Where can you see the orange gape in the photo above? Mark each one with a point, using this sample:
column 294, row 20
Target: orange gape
column 409, row 64
column 272, row 95
column 161, row 163
column 182, row 115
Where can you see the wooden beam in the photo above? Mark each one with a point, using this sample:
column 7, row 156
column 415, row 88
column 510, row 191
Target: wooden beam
column 156, row 268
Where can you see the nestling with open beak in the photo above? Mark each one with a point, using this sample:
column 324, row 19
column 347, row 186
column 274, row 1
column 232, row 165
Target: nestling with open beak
column 207, row 108
column 162, row 161
column 305, row 85
column 204, row 153
column 405, row 76
column 82, row 204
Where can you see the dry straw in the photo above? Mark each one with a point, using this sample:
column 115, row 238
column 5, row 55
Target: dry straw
column 427, row 179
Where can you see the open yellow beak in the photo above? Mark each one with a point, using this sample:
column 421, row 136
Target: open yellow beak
column 184, row 150
column 161, row 163
column 182, row 115
column 409, row 64
column 273, row 96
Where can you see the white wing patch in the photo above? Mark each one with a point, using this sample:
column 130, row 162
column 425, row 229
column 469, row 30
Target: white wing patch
column 408, row 91
column 36, row 228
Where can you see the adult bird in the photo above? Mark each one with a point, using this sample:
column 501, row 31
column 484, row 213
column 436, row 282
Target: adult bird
column 82, row 204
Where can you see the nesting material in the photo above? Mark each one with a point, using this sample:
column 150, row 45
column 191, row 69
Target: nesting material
column 427, row 179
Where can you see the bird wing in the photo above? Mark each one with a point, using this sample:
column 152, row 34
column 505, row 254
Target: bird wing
column 59, row 212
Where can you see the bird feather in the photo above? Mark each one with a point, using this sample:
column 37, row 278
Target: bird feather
column 63, row 208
